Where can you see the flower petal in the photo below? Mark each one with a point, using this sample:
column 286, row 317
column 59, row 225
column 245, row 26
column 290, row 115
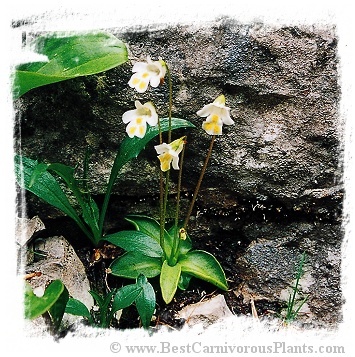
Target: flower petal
column 139, row 83
column 129, row 116
column 137, row 127
column 212, row 128
column 165, row 161
column 205, row 111
column 176, row 162
column 134, row 80
column 132, row 129
column 220, row 101
column 139, row 67
column 227, row 120
column 162, row 148
column 151, row 119
column 138, row 104
column 155, row 81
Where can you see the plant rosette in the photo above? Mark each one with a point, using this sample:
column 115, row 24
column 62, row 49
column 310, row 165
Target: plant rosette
column 176, row 266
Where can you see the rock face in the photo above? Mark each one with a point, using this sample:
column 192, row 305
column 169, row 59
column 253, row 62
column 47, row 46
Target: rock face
column 61, row 262
column 274, row 184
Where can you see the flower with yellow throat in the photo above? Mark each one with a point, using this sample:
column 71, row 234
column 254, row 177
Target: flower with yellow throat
column 217, row 114
column 169, row 153
column 138, row 118
column 144, row 73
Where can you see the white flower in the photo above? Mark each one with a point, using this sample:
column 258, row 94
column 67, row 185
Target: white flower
column 169, row 153
column 138, row 119
column 145, row 73
column 217, row 114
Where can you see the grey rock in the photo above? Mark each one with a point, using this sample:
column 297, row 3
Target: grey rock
column 270, row 263
column 205, row 312
column 61, row 262
column 282, row 86
column 26, row 230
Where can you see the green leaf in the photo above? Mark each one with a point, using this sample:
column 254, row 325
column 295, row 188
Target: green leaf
column 205, row 266
column 169, row 279
column 89, row 208
column 57, row 310
column 90, row 212
column 145, row 225
column 104, row 303
column 151, row 227
column 37, row 172
column 87, row 204
column 45, row 187
column 145, row 301
column 69, row 57
column 107, row 300
column 130, row 148
column 31, row 176
column 142, row 293
column 77, row 308
column 125, row 297
column 184, row 281
column 36, row 306
column 98, row 298
column 135, row 241
column 131, row 264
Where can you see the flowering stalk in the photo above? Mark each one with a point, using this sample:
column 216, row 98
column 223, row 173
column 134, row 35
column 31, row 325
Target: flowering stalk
column 164, row 197
column 199, row 182
column 217, row 114
column 168, row 154
column 170, row 101
column 176, row 241
column 161, row 193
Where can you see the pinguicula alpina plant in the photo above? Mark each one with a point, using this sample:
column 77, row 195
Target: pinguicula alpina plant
column 168, row 251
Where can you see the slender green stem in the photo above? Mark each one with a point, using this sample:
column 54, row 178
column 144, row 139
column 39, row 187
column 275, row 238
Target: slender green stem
column 179, row 187
column 161, row 192
column 164, row 198
column 167, row 179
column 170, row 101
column 176, row 241
column 199, row 182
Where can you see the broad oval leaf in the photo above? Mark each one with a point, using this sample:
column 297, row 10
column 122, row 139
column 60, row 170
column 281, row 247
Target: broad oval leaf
column 131, row 264
column 125, row 297
column 205, row 266
column 57, row 310
column 136, row 241
column 169, row 279
column 184, row 281
column 151, row 227
column 146, row 225
column 69, row 57
column 145, row 301
column 36, row 306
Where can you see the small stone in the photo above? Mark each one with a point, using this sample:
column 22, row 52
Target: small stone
column 206, row 312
